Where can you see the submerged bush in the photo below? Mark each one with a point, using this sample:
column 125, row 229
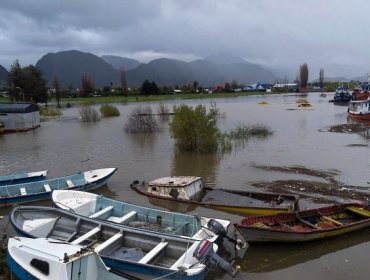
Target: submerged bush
column 89, row 114
column 163, row 111
column 107, row 110
column 50, row 112
column 194, row 129
column 142, row 120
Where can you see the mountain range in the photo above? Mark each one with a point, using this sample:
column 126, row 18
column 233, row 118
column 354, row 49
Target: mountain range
column 69, row 66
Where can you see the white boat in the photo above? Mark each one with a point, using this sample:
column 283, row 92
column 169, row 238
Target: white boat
column 359, row 109
column 138, row 253
column 45, row 259
column 103, row 208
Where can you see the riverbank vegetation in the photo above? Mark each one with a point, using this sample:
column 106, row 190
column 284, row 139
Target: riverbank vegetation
column 142, row 120
column 50, row 112
column 88, row 113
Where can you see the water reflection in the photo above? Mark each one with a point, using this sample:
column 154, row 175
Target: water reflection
column 191, row 164
column 267, row 258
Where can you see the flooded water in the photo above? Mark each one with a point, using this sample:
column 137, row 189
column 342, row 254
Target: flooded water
column 65, row 145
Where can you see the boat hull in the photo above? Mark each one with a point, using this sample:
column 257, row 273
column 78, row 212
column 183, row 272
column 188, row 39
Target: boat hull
column 18, row 270
column 22, row 178
column 18, row 198
column 261, row 232
column 245, row 208
column 357, row 116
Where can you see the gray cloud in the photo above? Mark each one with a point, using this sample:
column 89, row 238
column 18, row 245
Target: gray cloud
column 280, row 34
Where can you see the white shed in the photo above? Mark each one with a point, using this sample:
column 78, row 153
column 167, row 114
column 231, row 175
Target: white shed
column 19, row 116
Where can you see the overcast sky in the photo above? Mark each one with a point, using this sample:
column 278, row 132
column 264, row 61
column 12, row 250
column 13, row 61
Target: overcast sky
column 281, row 34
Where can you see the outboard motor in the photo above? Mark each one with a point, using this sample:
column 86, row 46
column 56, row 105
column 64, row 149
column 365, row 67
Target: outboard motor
column 205, row 253
column 218, row 229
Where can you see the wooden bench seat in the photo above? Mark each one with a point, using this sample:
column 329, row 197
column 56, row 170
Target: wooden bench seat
column 23, row 191
column 123, row 219
column 108, row 242
column 87, row 235
column 47, row 188
column 102, row 212
column 70, row 184
column 154, row 252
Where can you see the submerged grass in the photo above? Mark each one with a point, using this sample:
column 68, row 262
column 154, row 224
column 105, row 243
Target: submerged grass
column 89, row 114
column 108, row 110
column 50, row 112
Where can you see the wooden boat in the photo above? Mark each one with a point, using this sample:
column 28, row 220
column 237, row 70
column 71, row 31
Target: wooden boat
column 138, row 253
column 359, row 110
column 308, row 225
column 44, row 259
column 20, row 178
column 100, row 207
column 190, row 189
column 86, row 181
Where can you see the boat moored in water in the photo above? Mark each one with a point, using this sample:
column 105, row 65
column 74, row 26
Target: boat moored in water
column 138, row 253
column 99, row 207
column 342, row 95
column 19, row 178
column 190, row 189
column 359, row 110
column 307, row 225
column 86, row 181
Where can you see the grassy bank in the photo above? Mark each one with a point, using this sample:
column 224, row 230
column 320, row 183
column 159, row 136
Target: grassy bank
column 149, row 98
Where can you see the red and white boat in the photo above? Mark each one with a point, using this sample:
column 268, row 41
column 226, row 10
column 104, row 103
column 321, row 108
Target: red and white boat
column 359, row 109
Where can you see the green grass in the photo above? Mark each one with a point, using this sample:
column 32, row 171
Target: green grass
column 108, row 110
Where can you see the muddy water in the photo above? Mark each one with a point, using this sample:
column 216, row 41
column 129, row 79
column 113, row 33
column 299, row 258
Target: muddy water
column 65, row 145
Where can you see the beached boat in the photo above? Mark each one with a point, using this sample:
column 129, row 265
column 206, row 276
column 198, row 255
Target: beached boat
column 20, row 178
column 342, row 95
column 359, row 110
column 308, row 225
column 138, row 253
column 100, row 207
column 86, row 181
column 44, row 259
column 190, row 189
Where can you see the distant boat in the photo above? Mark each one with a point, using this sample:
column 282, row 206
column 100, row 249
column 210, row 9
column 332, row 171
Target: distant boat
column 190, row 189
column 362, row 92
column 138, row 253
column 45, row 258
column 342, row 95
column 359, row 110
column 19, row 178
column 307, row 225
column 85, row 181
column 99, row 207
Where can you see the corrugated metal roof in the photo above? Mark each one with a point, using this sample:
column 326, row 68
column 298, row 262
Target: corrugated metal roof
column 18, row 108
column 175, row 181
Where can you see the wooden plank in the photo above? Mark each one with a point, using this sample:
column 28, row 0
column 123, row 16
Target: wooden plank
column 47, row 188
column 87, row 235
column 307, row 223
column 101, row 212
column 70, row 184
column 124, row 218
column 332, row 220
column 23, row 191
column 155, row 251
column 108, row 242
column 360, row 211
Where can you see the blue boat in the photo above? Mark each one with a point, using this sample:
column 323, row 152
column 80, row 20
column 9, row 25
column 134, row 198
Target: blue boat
column 20, row 178
column 138, row 253
column 342, row 95
column 27, row 192
column 45, row 258
column 115, row 211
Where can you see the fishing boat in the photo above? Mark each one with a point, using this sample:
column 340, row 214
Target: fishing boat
column 342, row 95
column 307, row 225
column 86, row 181
column 190, row 189
column 359, row 110
column 139, row 253
column 19, row 178
column 362, row 92
column 45, row 258
column 99, row 207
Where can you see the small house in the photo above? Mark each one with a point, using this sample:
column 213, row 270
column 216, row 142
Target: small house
column 19, row 116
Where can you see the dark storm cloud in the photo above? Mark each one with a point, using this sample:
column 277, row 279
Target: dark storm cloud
column 278, row 33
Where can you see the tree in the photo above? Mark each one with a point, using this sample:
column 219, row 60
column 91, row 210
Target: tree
column 303, row 75
column 123, row 79
column 56, row 86
column 321, row 79
column 148, row 88
column 194, row 130
column 27, row 84
column 87, row 85
column 195, row 86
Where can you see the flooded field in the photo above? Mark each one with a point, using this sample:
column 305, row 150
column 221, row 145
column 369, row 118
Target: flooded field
column 314, row 151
